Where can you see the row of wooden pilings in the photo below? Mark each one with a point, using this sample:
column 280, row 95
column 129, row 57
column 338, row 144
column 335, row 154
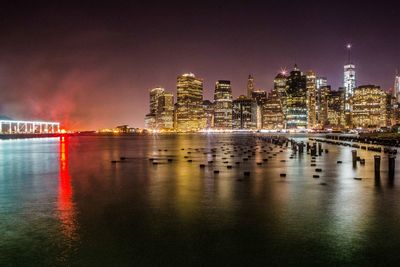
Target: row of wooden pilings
column 316, row 149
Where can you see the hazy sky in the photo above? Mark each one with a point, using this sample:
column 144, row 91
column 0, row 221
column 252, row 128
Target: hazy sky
column 91, row 65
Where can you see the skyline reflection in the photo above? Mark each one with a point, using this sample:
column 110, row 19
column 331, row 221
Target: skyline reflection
column 65, row 204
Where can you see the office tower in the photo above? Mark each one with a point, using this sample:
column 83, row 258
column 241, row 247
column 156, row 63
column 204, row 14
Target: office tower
column 150, row 119
column 260, row 97
column 189, row 113
column 155, row 93
column 311, row 100
column 335, row 114
column 244, row 113
column 208, row 107
column 325, row 93
column 349, row 82
column 280, row 87
column 369, row 107
column 296, row 100
column 161, row 116
column 280, row 83
column 165, row 111
column 272, row 114
column 250, row 86
column 223, row 105
column 396, row 88
column 320, row 82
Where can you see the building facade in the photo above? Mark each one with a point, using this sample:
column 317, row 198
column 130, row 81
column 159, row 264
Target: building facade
column 165, row 111
column 250, row 86
column 161, row 116
column 190, row 114
column 349, row 81
column 335, row 108
column 272, row 113
column 223, row 105
column 296, row 100
column 244, row 114
column 396, row 88
column 369, row 104
column 311, row 100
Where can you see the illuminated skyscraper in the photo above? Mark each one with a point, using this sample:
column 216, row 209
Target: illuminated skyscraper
column 161, row 116
column 325, row 94
column 349, row 79
column 280, row 88
column 396, row 88
column 260, row 97
column 250, row 86
column 272, row 115
column 151, row 117
column 335, row 109
column 244, row 113
column 208, row 107
column 296, row 101
column 165, row 111
column 155, row 93
column 223, row 105
column 280, row 83
column 320, row 82
column 369, row 107
column 311, row 100
column 190, row 113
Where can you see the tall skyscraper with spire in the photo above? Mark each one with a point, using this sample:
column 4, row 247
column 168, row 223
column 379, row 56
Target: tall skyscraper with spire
column 396, row 88
column 349, row 82
column 250, row 86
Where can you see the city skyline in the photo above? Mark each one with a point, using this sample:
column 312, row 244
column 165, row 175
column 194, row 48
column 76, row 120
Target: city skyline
column 96, row 64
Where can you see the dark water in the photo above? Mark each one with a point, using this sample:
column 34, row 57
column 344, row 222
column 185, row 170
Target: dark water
column 64, row 203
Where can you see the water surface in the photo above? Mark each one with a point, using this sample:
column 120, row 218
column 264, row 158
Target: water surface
column 62, row 202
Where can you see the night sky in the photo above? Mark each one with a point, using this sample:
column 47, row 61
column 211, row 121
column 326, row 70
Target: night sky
column 91, row 65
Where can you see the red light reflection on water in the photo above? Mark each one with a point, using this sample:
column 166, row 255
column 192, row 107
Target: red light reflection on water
column 65, row 202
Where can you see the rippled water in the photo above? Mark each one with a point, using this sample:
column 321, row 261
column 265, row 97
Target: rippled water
column 62, row 202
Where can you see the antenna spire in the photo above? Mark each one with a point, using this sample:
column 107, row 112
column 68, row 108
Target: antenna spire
column 348, row 46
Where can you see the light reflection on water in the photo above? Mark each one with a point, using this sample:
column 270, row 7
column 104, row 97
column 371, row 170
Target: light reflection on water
column 63, row 203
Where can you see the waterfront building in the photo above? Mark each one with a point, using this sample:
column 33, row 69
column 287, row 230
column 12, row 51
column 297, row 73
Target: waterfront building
column 165, row 111
column 155, row 93
column 325, row 93
column 10, row 126
column 296, row 100
column 320, row 82
column 250, row 86
column 244, row 113
column 223, row 105
column 311, row 100
column 369, row 104
column 189, row 112
column 349, row 81
column 161, row 114
column 150, row 119
column 392, row 109
column 272, row 114
column 208, row 108
column 335, row 109
column 280, row 87
column 260, row 97
column 396, row 88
